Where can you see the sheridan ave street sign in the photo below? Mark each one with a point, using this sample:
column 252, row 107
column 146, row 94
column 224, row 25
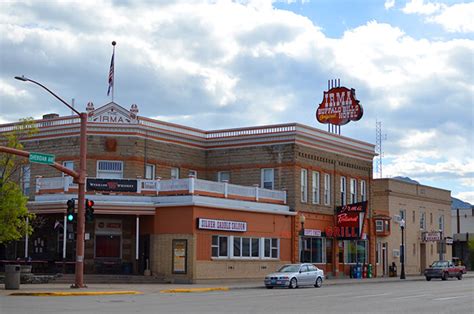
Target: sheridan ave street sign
column 41, row 158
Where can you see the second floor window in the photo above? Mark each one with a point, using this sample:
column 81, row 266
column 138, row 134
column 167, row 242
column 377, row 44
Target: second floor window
column 363, row 191
column 267, row 178
column 304, row 185
column 110, row 169
column 327, row 189
column 25, row 179
column 150, row 172
column 353, row 191
column 192, row 173
column 441, row 223
column 223, row 176
column 343, row 191
column 174, row 173
column 423, row 221
column 315, row 187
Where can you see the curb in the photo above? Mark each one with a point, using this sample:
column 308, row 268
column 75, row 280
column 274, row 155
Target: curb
column 67, row 294
column 189, row 290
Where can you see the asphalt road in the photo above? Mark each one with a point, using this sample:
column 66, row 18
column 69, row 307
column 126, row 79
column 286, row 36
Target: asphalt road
column 437, row 296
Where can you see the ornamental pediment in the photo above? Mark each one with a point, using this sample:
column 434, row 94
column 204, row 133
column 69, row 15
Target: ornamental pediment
column 112, row 113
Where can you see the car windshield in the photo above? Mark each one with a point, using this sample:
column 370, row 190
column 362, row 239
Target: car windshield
column 289, row 269
column 440, row 264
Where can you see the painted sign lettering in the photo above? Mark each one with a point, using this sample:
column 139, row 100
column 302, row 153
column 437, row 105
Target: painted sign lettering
column 339, row 106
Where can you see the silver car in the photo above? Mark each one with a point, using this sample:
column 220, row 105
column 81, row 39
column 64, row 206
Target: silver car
column 295, row 275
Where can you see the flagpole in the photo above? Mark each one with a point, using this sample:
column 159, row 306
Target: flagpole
column 113, row 74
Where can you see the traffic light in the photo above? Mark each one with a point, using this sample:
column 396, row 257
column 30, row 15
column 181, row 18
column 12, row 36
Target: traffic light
column 71, row 216
column 89, row 210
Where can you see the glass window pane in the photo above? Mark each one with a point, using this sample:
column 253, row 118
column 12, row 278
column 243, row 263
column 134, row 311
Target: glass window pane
column 316, row 250
column 237, row 246
column 255, row 247
column 267, row 248
column 329, row 251
column 274, row 253
column 246, row 247
column 215, row 251
column 222, row 246
column 215, row 240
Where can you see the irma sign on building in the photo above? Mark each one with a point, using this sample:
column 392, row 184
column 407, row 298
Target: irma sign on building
column 339, row 106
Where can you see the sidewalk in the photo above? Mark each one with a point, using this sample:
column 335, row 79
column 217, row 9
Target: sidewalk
column 150, row 288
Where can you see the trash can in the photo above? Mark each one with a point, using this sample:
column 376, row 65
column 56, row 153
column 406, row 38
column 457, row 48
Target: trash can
column 12, row 277
column 369, row 271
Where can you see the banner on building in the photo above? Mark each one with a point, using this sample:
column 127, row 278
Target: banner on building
column 111, row 185
column 224, row 225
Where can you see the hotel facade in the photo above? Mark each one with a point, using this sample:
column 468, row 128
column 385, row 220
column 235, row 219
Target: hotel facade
column 190, row 205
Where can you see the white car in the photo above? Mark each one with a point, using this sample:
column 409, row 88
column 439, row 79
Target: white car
column 295, row 275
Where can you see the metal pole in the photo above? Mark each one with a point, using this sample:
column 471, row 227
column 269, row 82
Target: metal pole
column 137, row 237
column 26, row 238
column 64, row 236
column 402, row 272
column 79, row 278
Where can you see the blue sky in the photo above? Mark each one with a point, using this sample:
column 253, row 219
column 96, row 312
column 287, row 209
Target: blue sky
column 224, row 64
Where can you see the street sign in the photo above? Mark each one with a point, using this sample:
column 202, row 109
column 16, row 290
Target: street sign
column 41, row 158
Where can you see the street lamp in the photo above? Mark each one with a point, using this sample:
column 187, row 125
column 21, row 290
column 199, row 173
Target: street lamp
column 402, row 249
column 80, row 180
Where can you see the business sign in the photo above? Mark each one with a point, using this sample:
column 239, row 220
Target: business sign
column 41, row 158
column 312, row 233
column 111, row 185
column 431, row 236
column 224, row 225
column 349, row 221
column 339, row 106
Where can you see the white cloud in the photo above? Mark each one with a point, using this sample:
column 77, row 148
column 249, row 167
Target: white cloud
column 456, row 18
column 422, row 8
column 389, row 4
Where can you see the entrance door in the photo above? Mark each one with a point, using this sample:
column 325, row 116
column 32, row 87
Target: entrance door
column 144, row 253
column 422, row 257
column 384, row 259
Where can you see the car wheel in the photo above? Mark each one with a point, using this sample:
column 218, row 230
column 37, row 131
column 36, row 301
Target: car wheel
column 444, row 276
column 428, row 278
column 460, row 276
column 269, row 287
column 293, row 283
column 318, row 283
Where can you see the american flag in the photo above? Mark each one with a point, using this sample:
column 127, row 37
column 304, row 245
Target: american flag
column 111, row 74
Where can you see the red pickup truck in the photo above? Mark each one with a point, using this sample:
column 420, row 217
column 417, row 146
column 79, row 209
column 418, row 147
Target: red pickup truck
column 444, row 270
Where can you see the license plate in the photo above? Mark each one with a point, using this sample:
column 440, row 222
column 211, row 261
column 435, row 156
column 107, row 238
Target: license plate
column 273, row 282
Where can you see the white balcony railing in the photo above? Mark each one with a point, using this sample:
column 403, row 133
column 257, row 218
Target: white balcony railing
column 175, row 186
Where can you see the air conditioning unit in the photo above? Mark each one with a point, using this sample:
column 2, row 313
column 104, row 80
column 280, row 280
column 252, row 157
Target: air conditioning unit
column 396, row 253
column 397, row 218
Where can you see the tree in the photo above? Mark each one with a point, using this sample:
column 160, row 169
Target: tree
column 13, row 210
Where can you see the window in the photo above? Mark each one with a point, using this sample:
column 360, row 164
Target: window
column 402, row 215
column 431, row 219
column 378, row 252
column 192, row 173
column 267, row 178
column 441, row 223
column 315, row 187
column 174, row 173
column 353, row 191
column 304, row 185
column 109, row 169
column 25, row 179
column 223, row 176
column 271, row 248
column 69, row 165
column 363, row 191
column 413, row 217
column 246, row 247
column 329, row 251
column 327, row 189
column 219, row 246
column 379, row 225
column 423, row 220
column 150, row 172
column 343, row 191
column 312, row 250
column 355, row 251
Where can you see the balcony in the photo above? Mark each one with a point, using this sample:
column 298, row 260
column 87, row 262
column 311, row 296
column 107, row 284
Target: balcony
column 188, row 186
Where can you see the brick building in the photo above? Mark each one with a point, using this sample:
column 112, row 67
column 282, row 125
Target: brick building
column 427, row 214
column 195, row 205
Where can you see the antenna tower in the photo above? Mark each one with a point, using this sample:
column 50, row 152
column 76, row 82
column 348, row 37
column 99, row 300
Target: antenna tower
column 378, row 147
